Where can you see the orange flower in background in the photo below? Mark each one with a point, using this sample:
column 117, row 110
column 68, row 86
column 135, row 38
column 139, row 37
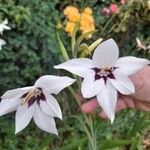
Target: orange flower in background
column 69, row 27
column 88, row 10
column 84, row 18
column 72, row 13
column 87, row 21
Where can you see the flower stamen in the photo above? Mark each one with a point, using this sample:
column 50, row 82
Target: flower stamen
column 35, row 92
column 104, row 71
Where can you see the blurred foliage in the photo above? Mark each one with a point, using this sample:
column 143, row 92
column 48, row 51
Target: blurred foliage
column 31, row 51
column 31, row 48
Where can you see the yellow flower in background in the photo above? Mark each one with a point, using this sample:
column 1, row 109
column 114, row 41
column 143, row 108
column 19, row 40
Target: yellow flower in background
column 69, row 27
column 88, row 11
column 85, row 19
column 72, row 13
column 59, row 25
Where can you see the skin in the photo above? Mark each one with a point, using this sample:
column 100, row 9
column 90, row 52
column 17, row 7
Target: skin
column 139, row 100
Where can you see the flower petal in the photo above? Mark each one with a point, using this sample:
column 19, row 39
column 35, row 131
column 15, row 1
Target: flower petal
column 79, row 66
column 91, row 87
column 44, row 122
column 106, row 54
column 13, row 93
column 24, row 115
column 2, row 42
column 9, row 105
column 129, row 65
column 3, row 26
column 107, row 99
column 54, row 84
column 50, row 106
column 122, row 83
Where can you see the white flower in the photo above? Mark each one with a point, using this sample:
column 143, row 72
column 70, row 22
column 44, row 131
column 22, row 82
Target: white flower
column 3, row 26
column 37, row 102
column 2, row 42
column 105, row 74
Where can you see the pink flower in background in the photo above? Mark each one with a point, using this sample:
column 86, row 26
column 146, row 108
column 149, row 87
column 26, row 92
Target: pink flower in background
column 106, row 11
column 122, row 1
column 114, row 8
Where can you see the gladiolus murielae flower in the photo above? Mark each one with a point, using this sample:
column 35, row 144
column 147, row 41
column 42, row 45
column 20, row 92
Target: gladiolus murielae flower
column 105, row 74
column 2, row 42
column 3, row 26
column 37, row 102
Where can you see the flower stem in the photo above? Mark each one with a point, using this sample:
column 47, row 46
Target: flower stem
column 88, row 120
column 107, row 24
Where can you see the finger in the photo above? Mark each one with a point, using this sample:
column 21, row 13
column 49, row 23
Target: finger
column 142, row 105
column 89, row 106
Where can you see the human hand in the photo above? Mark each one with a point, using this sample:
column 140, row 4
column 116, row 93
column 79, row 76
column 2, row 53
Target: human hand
column 139, row 100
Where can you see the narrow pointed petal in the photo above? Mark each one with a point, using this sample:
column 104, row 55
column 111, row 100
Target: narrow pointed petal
column 24, row 115
column 13, row 93
column 107, row 99
column 122, row 83
column 5, row 22
column 91, row 87
column 46, row 108
column 3, row 26
column 53, row 108
column 9, row 105
column 79, row 66
column 129, row 65
column 106, row 54
column 54, row 84
column 2, row 43
column 44, row 122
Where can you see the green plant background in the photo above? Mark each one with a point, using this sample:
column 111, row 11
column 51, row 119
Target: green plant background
column 31, row 51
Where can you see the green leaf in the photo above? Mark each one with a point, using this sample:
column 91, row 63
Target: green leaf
column 114, row 143
column 88, row 50
column 74, row 145
column 62, row 48
column 81, row 38
column 73, row 37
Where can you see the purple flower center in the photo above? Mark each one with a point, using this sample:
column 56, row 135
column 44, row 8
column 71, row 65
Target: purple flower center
column 104, row 73
column 32, row 96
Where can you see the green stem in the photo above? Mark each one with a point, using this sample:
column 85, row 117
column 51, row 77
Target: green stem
column 88, row 134
column 88, row 121
column 78, row 102
column 107, row 24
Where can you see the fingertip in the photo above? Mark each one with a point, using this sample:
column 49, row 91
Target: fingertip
column 86, row 108
column 89, row 106
column 103, row 115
